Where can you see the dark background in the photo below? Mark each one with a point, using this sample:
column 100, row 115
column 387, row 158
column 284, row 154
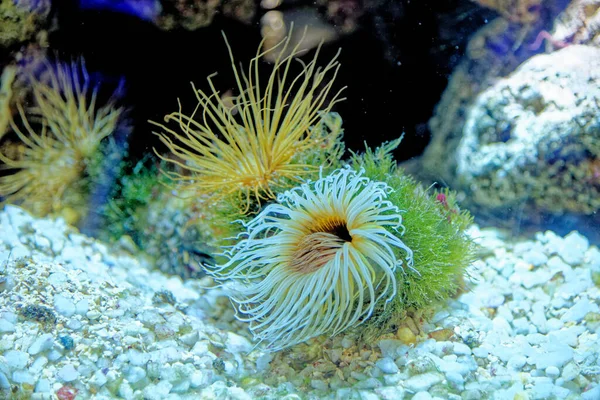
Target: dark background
column 395, row 65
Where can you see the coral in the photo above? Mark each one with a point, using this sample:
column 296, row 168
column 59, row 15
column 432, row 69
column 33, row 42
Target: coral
column 59, row 141
column 435, row 231
column 535, row 145
column 21, row 19
column 195, row 14
column 248, row 151
column 319, row 260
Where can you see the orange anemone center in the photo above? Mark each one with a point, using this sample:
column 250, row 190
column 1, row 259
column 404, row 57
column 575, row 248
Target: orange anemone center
column 318, row 247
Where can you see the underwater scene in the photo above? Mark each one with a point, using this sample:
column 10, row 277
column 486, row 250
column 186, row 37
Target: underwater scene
column 288, row 199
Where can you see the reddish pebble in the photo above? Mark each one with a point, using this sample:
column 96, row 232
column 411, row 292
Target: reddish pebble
column 66, row 393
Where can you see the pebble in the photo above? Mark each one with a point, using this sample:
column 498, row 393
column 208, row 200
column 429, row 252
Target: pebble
column 573, row 248
column 42, row 343
column 387, row 365
column 423, row 382
column 63, row 305
column 16, row 359
column 521, row 332
column 552, row 372
column 68, row 373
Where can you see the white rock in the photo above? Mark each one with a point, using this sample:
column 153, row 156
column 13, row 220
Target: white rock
column 6, row 326
column 391, row 393
column 423, row 382
column 68, row 373
column 579, row 310
column 573, row 249
column 42, row 343
column 387, row 365
column 63, row 305
column 237, row 344
column 461, row 349
column 16, row 359
column 516, row 362
column 38, row 365
column 422, row 396
column 43, row 386
column 99, row 379
column 22, row 376
column 552, row 372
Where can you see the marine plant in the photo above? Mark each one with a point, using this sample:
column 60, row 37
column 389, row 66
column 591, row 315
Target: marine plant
column 59, row 141
column 246, row 149
column 361, row 247
column 435, row 227
column 318, row 260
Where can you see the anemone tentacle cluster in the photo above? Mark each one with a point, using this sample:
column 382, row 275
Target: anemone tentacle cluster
column 250, row 146
column 318, row 260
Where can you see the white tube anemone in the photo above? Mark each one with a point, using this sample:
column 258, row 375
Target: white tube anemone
column 318, row 260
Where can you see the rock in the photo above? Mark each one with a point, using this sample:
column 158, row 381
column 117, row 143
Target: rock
column 387, row 365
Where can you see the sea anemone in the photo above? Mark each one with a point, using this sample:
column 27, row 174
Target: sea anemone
column 318, row 260
column 251, row 146
column 58, row 138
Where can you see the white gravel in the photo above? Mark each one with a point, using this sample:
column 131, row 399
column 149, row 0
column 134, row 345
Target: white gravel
column 79, row 317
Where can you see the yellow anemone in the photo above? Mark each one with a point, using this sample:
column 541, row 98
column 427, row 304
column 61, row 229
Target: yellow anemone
column 58, row 137
column 249, row 145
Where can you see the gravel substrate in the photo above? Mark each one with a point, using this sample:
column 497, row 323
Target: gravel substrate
column 81, row 320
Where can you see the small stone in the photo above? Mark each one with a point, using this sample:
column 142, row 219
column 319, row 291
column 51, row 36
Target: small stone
column 237, row 344
column 461, row 349
column 68, row 373
column 42, row 343
column 516, row 362
column 319, row 384
column 93, row 315
column 135, row 374
column 570, row 372
column 552, row 372
column 82, row 307
column 423, row 382
column 387, row 365
column 573, row 248
column 406, row 336
column 422, row 396
column 16, row 359
column 64, row 306
column 391, row 393
column 23, row 377
column 6, row 326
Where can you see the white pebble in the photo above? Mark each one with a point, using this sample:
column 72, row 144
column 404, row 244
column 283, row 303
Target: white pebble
column 237, row 344
column 68, row 373
column 422, row 396
column 461, row 349
column 423, row 382
column 42, row 343
column 552, row 372
column 387, row 365
column 16, row 359
column 82, row 306
column 573, row 248
column 21, row 376
column 6, row 326
column 63, row 305
column 516, row 362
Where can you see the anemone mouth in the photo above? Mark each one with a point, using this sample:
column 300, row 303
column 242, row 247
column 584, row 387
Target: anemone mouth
column 314, row 250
